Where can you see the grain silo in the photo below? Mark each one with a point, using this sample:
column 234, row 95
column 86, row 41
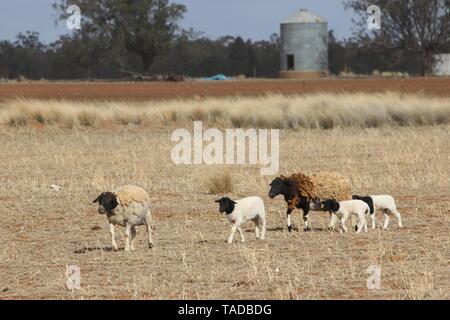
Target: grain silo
column 304, row 46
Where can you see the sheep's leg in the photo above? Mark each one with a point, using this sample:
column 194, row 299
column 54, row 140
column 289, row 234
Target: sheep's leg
column 233, row 231
column 386, row 220
column 373, row 219
column 127, row 236
column 343, row 221
column 241, row 234
column 362, row 223
column 333, row 221
column 305, row 220
column 305, row 209
column 113, row 239
column 257, row 225
column 399, row 218
column 257, row 234
column 353, row 223
column 148, row 224
column 288, row 214
column 359, row 225
column 133, row 236
column 263, row 227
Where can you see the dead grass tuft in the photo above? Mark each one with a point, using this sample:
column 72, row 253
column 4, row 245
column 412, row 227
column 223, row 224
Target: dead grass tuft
column 219, row 182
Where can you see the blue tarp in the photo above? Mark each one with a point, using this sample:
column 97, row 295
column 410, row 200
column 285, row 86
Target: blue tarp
column 217, row 77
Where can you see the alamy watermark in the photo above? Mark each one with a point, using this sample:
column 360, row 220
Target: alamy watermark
column 215, row 147
column 73, row 22
column 73, row 274
column 374, row 18
column 374, row 281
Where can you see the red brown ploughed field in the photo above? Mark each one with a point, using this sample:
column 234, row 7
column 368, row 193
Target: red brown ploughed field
column 190, row 89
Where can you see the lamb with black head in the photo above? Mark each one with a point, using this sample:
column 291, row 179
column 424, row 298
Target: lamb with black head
column 240, row 211
column 345, row 209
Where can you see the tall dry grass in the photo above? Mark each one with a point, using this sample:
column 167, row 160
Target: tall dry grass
column 219, row 182
column 272, row 111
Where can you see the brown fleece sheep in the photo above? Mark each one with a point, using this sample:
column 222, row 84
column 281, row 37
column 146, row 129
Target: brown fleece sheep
column 331, row 185
column 305, row 192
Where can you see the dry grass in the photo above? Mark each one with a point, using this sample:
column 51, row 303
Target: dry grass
column 272, row 111
column 219, row 182
column 43, row 231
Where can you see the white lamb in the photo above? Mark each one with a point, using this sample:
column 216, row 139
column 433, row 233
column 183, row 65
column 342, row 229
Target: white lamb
column 386, row 204
column 240, row 211
column 344, row 209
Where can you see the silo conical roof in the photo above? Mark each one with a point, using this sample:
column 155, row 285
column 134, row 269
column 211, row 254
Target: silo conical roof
column 303, row 16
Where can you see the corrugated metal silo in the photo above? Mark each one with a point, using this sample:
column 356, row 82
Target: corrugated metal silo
column 304, row 46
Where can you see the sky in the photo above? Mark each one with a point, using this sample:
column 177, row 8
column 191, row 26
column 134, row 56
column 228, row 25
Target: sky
column 251, row 19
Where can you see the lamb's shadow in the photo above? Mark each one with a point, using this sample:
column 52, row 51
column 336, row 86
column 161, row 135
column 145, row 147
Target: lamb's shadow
column 281, row 229
column 93, row 249
column 294, row 228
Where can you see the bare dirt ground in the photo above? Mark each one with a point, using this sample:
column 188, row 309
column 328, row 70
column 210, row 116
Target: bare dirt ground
column 189, row 89
column 43, row 231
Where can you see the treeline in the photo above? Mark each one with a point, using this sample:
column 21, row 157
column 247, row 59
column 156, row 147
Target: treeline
column 190, row 54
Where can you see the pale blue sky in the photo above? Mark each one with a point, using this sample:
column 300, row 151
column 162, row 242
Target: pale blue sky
column 255, row 19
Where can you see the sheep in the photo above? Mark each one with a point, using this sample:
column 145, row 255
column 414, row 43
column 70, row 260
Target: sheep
column 386, row 203
column 344, row 209
column 126, row 206
column 240, row 211
column 305, row 192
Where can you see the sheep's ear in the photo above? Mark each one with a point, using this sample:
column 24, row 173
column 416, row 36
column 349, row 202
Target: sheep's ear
column 234, row 202
column 217, row 200
column 97, row 200
column 115, row 202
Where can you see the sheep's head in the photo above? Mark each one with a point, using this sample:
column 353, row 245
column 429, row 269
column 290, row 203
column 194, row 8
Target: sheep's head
column 279, row 186
column 226, row 205
column 330, row 205
column 107, row 201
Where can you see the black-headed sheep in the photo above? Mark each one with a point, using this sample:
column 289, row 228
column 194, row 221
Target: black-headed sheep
column 345, row 209
column 126, row 206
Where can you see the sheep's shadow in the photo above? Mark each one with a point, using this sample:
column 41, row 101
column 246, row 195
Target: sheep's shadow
column 296, row 229
column 275, row 229
column 93, row 249
column 280, row 229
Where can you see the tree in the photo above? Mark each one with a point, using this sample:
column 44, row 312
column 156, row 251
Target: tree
column 143, row 27
column 240, row 57
column 420, row 27
column 336, row 54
